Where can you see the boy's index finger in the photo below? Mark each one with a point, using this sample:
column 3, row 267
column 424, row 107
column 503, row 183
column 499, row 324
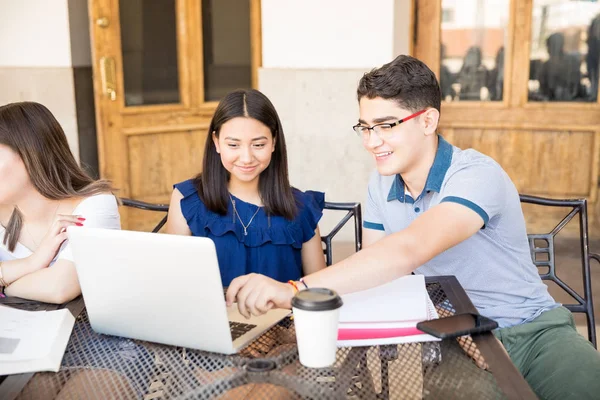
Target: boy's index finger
column 234, row 288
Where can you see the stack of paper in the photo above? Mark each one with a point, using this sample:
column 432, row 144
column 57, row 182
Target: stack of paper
column 32, row 341
column 386, row 314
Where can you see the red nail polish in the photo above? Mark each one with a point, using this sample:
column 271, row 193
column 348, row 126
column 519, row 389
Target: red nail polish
column 78, row 224
column 81, row 218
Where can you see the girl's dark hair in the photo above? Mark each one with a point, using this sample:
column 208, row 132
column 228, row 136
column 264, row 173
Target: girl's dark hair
column 32, row 132
column 406, row 80
column 274, row 186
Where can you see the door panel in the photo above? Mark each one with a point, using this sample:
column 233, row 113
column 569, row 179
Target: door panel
column 151, row 109
column 536, row 160
column 160, row 160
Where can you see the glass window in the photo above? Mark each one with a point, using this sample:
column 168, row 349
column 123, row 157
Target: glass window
column 565, row 49
column 226, row 40
column 149, row 46
column 472, row 50
column 448, row 15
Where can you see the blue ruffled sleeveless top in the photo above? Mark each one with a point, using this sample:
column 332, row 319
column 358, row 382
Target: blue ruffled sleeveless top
column 270, row 248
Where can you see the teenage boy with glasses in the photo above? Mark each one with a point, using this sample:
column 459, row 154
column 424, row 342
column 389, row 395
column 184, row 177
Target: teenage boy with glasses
column 435, row 209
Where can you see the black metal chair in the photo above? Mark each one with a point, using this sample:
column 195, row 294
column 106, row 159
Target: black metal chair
column 142, row 205
column 543, row 256
column 353, row 210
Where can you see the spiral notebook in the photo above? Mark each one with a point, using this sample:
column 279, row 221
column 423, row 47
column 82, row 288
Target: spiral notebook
column 387, row 314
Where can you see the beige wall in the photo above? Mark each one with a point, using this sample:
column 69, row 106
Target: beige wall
column 34, row 33
column 331, row 33
column 51, row 86
column 318, row 109
column 36, row 57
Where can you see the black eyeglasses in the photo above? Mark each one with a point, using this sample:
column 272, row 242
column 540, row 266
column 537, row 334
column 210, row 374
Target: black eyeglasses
column 383, row 131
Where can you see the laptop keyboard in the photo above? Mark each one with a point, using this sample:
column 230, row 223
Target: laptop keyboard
column 239, row 328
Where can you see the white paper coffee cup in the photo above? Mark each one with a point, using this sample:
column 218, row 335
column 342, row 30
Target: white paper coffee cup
column 316, row 315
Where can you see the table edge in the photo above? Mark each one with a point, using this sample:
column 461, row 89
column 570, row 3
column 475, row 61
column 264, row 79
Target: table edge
column 508, row 377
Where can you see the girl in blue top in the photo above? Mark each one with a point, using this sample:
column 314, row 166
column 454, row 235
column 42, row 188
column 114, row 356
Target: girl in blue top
column 243, row 200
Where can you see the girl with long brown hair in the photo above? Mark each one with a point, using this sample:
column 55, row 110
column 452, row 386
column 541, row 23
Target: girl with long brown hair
column 42, row 192
column 243, row 199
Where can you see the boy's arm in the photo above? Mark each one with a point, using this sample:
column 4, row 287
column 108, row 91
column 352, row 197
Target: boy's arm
column 391, row 257
column 400, row 253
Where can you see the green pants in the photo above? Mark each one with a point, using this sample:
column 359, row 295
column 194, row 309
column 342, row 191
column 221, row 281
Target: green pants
column 556, row 361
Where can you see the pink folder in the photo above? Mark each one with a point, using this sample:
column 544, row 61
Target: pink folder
column 376, row 333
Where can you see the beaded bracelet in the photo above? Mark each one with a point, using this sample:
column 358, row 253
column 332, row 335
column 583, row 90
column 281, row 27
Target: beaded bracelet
column 294, row 286
column 2, row 281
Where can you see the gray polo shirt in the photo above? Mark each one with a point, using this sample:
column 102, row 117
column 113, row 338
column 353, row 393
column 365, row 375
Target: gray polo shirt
column 494, row 265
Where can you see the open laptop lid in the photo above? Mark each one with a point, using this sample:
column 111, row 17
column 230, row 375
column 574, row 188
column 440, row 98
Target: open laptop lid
column 151, row 286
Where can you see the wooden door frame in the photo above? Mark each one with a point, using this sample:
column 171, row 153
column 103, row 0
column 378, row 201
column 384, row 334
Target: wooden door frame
column 255, row 39
column 110, row 124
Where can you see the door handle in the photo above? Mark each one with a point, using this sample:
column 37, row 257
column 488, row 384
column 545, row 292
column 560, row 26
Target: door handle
column 108, row 76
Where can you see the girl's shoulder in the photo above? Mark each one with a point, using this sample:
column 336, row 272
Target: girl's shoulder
column 186, row 188
column 100, row 211
column 309, row 199
column 310, row 210
column 101, row 202
column 192, row 207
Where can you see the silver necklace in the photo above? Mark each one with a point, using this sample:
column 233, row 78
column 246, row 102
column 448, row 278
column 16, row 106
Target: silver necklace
column 238, row 215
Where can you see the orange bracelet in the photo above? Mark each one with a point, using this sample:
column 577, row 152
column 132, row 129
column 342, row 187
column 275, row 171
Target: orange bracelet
column 294, row 286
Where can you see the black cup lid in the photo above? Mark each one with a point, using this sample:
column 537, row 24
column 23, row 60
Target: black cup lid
column 317, row 299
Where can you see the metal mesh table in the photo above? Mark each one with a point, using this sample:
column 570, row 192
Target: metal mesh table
column 97, row 366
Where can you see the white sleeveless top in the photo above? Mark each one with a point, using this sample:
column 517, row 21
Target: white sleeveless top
column 99, row 211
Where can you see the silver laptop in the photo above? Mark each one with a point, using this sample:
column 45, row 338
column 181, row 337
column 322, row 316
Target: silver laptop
column 161, row 288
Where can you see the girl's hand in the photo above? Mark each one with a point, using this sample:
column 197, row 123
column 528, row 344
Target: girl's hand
column 56, row 235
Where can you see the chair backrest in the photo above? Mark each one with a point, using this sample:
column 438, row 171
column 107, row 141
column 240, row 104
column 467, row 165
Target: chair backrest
column 149, row 207
column 353, row 210
column 543, row 256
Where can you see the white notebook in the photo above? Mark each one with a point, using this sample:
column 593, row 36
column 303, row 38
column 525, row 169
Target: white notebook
column 401, row 300
column 32, row 341
column 396, row 306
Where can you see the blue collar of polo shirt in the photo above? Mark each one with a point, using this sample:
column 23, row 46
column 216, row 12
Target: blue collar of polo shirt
column 441, row 163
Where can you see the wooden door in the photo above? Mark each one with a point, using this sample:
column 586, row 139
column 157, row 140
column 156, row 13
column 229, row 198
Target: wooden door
column 160, row 67
column 548, row 144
